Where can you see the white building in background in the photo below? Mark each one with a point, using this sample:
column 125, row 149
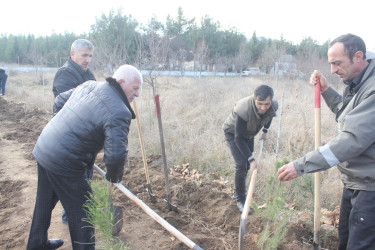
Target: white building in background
column 287, row 66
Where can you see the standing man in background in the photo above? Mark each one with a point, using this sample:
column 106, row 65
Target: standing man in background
column 3, row 81
column 353, row 149
column 75, row 72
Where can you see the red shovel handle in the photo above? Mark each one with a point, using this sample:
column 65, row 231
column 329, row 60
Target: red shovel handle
column 157, row 106
column 317, row 93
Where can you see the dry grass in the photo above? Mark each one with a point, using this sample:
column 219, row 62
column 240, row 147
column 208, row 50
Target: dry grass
column 193, row 110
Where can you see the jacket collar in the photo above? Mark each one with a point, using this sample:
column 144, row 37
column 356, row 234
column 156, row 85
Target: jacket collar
column 112, row 82
column 76, row 66
column 270, row 112
column 369, row 70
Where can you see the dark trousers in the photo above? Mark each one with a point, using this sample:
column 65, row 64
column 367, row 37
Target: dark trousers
column 89, row 174
column 242, row 166
column 357, row 220
column 3, row 81
column 73, row 193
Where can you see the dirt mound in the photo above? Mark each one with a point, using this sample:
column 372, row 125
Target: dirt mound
column 207, row 213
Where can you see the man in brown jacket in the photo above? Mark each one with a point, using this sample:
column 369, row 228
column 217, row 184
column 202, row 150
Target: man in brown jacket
column 248, row 117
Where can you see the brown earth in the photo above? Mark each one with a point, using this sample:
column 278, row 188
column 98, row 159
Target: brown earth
column 207, row 214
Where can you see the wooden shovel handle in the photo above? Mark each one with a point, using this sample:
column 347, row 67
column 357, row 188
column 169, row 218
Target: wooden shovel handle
column 317, row 175
column 141, row 141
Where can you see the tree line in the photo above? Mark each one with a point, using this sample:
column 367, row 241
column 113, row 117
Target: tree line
column 179, row 44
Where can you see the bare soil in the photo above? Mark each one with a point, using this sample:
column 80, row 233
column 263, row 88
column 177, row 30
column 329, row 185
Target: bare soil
column 207, row 213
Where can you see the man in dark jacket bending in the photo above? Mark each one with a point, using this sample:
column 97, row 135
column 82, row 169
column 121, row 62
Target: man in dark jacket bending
column 95, row 116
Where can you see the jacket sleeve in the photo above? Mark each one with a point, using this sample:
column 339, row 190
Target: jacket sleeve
column 241, row 138
column 116, row 146
column 357, row 135
column 333, row 100
column 64, row 80
column 60, row 101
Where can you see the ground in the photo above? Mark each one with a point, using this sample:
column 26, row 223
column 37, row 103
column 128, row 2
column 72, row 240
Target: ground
column 207, row 214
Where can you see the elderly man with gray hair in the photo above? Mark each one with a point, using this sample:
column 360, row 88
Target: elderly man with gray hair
column 91, row 117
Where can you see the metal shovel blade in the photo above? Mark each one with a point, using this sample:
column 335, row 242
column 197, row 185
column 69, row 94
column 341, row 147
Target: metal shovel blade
column 117, row 221
column 170, row 206
column 152, row 196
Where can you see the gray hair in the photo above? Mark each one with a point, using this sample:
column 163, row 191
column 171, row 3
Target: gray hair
column 79, row 44
column 128, row 73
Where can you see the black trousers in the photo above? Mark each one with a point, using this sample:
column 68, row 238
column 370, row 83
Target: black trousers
column 357, row 220
column 73, row 193
column 242, row 165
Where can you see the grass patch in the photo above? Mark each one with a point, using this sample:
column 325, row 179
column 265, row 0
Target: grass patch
column 101, row 215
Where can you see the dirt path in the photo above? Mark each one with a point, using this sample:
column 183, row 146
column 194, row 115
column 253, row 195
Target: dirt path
column 207, row 214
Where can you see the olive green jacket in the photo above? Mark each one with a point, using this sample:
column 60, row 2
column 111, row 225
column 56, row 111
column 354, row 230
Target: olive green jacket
column 246, row 109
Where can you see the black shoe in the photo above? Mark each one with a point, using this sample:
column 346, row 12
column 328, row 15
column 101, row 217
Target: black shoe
column 241, row 206
column 54, row 243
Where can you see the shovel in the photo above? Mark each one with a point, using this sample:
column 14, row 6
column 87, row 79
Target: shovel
column 249, row 199
column 148, row 186
column 168, row 201
column 117, row 212
column 316, row 243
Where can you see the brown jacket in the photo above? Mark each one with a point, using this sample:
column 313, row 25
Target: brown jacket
column 247, row 110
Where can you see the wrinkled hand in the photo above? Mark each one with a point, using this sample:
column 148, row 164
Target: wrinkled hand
column 287, row 172
column 263, row 136
column 323, row 81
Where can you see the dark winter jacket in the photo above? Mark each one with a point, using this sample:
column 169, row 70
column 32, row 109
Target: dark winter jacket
column 70, row 76
column 95, row 116
column 353, row 149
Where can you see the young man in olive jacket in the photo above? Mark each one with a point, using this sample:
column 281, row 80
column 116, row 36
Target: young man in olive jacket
column 248, row 117
column 353, row 149
column 92, row 117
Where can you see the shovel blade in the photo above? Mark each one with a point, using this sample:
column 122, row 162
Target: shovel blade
column 170, row 206
column 152, row 196
column 117, row 221
column 241, row 233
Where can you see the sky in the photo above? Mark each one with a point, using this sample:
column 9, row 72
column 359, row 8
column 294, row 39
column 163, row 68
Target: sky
column 293, row 20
